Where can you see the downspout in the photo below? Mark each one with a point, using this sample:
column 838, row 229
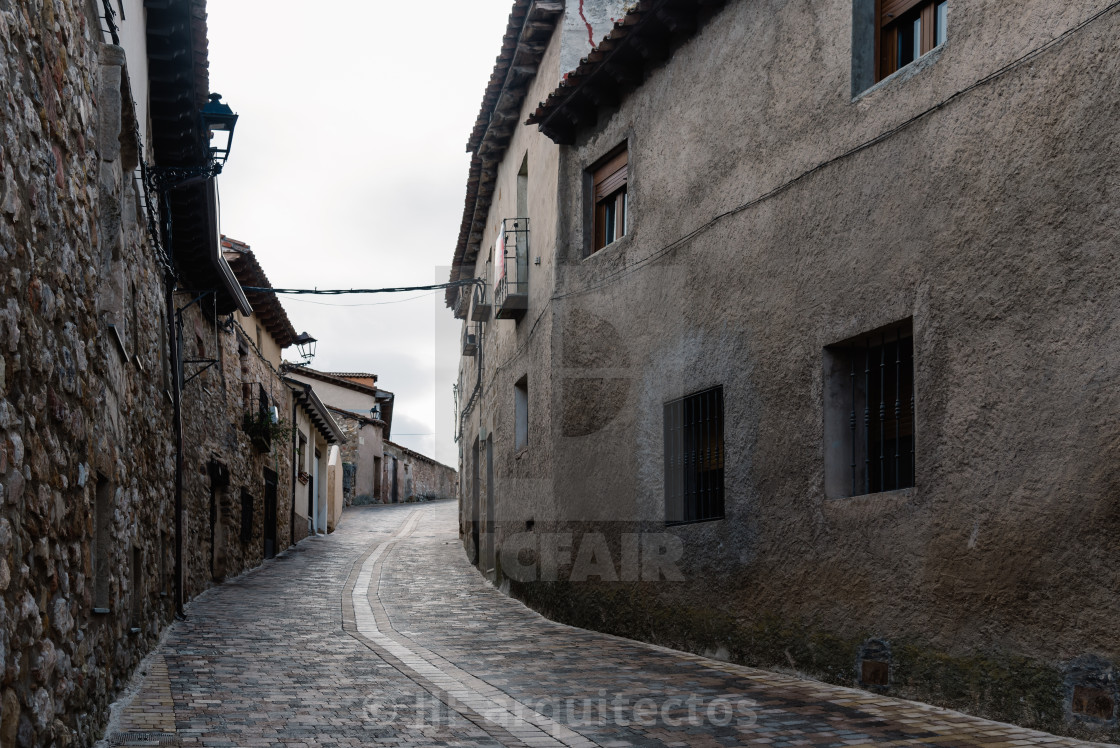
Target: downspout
column 295, row 471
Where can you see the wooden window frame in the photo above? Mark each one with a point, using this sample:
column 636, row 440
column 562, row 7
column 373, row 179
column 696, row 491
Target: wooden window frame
column 609, row 180
column 890, row 17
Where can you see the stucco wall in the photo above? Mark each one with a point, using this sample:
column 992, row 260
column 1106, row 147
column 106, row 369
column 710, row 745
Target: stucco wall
column 338, row 396
column 986, row 223
column 516, row 349
column 363, row 450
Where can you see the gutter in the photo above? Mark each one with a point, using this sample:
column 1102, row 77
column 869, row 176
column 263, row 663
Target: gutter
column 320, row 415
column 217, row 258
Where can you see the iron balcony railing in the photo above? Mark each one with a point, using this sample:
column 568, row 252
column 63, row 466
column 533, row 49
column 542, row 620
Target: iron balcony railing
column 511, row 293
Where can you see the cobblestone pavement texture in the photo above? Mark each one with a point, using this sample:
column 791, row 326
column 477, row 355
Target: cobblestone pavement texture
column 382, row 633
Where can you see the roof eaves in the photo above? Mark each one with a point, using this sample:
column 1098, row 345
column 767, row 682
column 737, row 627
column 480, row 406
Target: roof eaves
column 318, row 413
column 323, row 376
column 647, row 34
column 530, row 28
column 266, row 306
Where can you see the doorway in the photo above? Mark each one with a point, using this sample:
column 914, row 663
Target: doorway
column 270, row 483
column 396, row 488
column 476, row 555
column 489, row 557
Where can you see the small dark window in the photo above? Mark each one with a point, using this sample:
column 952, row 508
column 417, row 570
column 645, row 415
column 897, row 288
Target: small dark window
column 521, row 412
column 694, row 457
column 869, row 413
column 609, row 180
column 246, row 517
column 136, row 584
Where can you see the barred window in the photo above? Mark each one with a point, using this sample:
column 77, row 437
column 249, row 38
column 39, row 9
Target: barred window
column 694, row 455
column 869, row 413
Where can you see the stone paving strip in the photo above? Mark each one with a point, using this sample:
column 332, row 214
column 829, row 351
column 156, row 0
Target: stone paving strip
column 382, row 633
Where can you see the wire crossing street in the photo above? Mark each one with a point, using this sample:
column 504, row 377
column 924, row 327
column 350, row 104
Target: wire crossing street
column 383, row 633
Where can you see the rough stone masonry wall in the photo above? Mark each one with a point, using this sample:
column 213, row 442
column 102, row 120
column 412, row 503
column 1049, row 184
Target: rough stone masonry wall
column 85, row 448
column 214, row 404
column 352, row 427
column 431, row 480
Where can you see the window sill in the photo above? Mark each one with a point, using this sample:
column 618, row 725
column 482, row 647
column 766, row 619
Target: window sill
column 904, row 73
column 609, row 249
column 867, row 506
column 687, row 522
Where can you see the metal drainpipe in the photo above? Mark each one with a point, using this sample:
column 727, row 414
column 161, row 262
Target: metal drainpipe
column 295, row 469
column 177, row 422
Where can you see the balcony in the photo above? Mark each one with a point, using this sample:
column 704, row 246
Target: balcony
column 257, row 422
column 511, row 292
column 470, row 344
column 481, row 304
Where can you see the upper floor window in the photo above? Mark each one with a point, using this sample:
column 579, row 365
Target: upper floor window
column 609, row 185
column 908, row 29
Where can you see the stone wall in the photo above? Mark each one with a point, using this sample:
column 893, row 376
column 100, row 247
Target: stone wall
column 419, row 478
column 86, row 454
column 360, row 455
column 87, row 458
column 219, row 500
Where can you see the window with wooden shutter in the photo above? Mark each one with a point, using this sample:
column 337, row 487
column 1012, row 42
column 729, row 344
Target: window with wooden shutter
column 609, row 184
column 908, row 29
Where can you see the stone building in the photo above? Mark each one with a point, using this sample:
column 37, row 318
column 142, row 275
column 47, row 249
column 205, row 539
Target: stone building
column 411, row 476
column 130, row 355
column 815, row 370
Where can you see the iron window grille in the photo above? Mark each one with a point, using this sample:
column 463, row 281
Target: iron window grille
column 870, row 421
column 694, row 457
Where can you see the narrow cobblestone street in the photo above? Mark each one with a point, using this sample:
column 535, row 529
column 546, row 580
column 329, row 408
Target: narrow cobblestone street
column 383, row 633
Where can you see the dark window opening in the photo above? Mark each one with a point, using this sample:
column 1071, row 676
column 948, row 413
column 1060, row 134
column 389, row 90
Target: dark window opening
column 694, row 457
column 521, row 412
column 246, row 517
column 869, row 413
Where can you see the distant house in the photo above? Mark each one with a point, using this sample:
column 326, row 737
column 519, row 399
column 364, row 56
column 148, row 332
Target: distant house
column 377, row 470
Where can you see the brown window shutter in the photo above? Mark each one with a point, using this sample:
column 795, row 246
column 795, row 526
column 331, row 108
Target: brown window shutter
column 892, row 9
column 611, row 176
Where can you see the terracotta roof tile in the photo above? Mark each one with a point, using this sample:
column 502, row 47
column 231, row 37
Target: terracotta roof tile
column 648, row 32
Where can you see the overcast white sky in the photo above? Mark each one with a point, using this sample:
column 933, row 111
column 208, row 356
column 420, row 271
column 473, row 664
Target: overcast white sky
column 348, row 170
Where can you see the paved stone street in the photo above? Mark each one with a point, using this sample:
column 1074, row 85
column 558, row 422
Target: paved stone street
column 383, row 633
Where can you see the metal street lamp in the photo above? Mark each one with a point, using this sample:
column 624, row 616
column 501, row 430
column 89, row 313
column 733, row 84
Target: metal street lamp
column 218, row 120
column 306, row 346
